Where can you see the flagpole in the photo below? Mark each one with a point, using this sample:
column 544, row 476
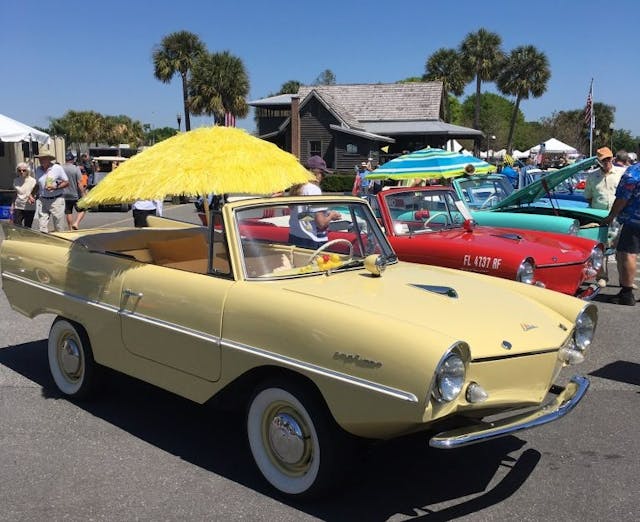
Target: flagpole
column 592, row 120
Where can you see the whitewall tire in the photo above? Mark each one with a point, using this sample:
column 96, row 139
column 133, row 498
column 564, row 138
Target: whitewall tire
column 293, row 441
column 70, row 359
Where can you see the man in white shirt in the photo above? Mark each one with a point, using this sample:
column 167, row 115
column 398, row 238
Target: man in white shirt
column 143, row 208
column 52, row 180
column 601, row 185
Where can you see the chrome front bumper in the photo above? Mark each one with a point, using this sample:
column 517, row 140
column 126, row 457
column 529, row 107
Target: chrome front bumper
column 565, row 401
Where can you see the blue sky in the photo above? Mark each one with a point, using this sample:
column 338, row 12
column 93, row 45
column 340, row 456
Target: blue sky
column 97, row 56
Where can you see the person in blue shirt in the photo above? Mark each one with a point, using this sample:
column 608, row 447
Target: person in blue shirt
column 511, row 173
column 626, row 208
column 361, row 183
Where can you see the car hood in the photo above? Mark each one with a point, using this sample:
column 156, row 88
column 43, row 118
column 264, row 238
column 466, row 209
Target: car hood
column 547, row 248
column 539, row 189
column 483, row 311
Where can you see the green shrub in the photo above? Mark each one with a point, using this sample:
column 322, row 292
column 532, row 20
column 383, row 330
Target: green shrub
column 337, row 183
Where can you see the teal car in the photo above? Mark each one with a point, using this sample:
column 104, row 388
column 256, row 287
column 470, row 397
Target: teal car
column 493, row 202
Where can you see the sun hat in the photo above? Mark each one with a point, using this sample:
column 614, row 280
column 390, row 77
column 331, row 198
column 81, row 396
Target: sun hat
column 316, row 162
column 604, row 153
column 45, row 152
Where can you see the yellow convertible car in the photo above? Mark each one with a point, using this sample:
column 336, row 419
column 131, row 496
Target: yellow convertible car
column 298, row 309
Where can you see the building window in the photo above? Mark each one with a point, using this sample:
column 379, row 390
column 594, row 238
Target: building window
column 352, row 148
column 315, row 148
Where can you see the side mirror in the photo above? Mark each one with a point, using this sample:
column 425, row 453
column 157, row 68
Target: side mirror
column 375, row 264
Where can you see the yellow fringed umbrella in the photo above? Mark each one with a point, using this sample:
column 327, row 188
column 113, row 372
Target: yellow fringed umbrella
column 212, row 160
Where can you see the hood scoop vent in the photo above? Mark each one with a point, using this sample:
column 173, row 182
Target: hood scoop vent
column 441, row 290
column 513, row 236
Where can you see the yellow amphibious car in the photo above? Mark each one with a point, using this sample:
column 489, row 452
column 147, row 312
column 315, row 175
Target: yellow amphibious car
column 324, row 346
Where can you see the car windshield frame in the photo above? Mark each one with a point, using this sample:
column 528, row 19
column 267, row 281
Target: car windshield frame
column 476, row 191
column 422, row 211
column 268, row 249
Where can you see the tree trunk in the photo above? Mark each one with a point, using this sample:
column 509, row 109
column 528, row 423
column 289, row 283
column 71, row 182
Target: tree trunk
column 476, row 113
column 512, row 125
column 185, row 102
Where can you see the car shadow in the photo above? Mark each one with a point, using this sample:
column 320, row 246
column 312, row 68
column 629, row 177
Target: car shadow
column 400, row 476
column 622, row 371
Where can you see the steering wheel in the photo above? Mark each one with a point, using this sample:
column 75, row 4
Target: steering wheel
column 327, row 245
column 447, row 219
column 488, row 201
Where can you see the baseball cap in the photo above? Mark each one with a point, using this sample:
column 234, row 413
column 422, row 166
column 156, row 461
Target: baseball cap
column 316, row 162
column 69, row 156
column 604, row 153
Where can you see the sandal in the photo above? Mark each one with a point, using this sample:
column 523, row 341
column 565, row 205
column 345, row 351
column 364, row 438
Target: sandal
column 74, row 227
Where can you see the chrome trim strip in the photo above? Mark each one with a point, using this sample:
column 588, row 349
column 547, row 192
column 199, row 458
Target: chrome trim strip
column 566, row 400
column 170, row 326
column 513, row 355
column 282, row 359
column 326, row 372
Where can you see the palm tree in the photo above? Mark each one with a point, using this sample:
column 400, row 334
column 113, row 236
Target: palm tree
column 525, row 73
column 177, row 53
column 219, row 85
column 445, row 65
column 482, row 58
column 290, row 87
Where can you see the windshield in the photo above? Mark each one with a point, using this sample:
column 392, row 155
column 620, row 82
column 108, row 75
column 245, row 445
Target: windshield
column 484, row 193
column 421, row 211
column 285, row 240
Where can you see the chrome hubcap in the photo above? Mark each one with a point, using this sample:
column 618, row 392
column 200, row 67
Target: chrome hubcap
column 286, row 438
column 70, row 358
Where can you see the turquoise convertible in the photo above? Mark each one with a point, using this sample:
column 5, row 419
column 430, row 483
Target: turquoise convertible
column 493, row 202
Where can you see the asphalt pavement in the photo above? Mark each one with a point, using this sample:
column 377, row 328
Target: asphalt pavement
column 140, row 453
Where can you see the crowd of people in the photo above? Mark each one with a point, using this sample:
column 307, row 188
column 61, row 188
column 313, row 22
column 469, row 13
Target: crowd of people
column 50, row 194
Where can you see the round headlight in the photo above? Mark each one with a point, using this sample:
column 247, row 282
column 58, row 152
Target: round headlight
column 449, row 378
column 525, row 272
column 597, row 257
column 574, row 228
column 585, row 329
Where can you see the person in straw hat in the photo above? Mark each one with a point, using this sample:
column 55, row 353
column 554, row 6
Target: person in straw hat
column 52, row 180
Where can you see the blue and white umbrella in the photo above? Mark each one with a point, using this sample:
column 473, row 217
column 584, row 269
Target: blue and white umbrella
column 430, row 163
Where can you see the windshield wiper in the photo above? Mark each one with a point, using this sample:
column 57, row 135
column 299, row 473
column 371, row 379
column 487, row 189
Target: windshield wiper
column 354, row 263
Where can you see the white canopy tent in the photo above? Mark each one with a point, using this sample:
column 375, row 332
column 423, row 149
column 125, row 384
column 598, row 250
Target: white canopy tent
column 552, row 145
column 13, row 131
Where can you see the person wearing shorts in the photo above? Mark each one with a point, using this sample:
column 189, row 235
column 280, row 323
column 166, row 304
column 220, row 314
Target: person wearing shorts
column 73, row 192
column 626, row 208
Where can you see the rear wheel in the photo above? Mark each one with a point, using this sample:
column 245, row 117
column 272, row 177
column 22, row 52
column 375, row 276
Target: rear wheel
column 70, row 359
column 294, row 441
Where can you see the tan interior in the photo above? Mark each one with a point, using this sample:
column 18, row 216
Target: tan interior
column 180, row 242
column 185, row 249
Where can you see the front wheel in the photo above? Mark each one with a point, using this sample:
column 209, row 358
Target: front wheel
column 70, row 359
column 294, row 442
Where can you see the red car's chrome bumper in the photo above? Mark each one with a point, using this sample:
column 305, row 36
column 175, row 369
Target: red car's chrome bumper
column 590, row 292
column 566, row 400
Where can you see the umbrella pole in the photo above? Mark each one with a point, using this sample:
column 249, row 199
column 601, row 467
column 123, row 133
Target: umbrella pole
column 207, row 211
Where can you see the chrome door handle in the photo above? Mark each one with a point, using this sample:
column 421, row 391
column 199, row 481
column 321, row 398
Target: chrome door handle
column 131, row 293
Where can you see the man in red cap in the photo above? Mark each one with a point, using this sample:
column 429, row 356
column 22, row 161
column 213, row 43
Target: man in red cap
column 600, row 188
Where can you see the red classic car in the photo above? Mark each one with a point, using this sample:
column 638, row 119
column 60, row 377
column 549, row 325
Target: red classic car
column 432, row 225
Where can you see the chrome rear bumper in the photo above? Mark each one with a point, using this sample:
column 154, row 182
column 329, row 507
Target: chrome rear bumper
column 565, row 401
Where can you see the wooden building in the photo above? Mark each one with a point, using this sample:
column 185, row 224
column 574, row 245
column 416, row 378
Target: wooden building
column 347, row 124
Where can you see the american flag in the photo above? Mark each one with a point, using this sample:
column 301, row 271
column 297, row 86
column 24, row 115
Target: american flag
column 229, row 120
column 588, row 110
